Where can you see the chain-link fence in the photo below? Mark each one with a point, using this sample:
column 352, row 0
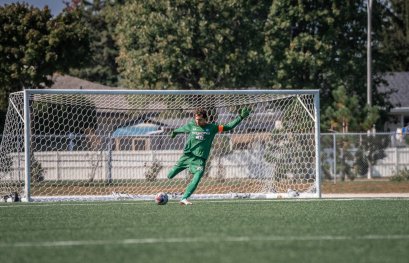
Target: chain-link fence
column 362, row 155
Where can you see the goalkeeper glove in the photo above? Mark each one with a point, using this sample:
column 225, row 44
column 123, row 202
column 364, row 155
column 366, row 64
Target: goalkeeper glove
column 244, row 113
column 173, row 134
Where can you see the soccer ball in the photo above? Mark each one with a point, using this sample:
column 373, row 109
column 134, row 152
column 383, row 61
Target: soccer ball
column 161, row 198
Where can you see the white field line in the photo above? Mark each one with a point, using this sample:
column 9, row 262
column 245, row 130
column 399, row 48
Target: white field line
column 242, row 239
column 197, row 202
column 367, row 195
column 98, row 203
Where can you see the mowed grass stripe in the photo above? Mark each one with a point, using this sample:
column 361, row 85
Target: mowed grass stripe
column 231, row 231
column 202, row 240
column 173, row 202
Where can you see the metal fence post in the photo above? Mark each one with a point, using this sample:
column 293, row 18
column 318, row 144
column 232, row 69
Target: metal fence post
column 27, row 142
column 109, row 161
column 396, row 159
column 335, row 156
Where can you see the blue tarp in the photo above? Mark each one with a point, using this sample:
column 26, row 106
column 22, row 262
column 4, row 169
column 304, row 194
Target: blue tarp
column 137, row 130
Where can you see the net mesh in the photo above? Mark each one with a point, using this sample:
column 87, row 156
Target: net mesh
column 118, row 145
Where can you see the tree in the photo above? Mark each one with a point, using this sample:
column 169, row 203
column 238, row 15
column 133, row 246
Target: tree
column 341, row 114
column 101, row 18
column 369, row 150
column 322, row 45
column 33, row 46
column 395, row 35
column 341, row 117
column 296, row 47
column 344, row 114
column 191, row 44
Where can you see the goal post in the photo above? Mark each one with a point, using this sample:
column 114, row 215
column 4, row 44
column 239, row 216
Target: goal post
column 116, row 144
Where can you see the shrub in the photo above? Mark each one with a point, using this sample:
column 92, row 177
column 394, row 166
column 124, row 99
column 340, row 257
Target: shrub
column 37, row 171
column 152, row 173
column 400, row 175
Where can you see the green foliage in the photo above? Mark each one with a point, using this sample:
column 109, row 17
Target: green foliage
column 70, row 42
column 299, row 38
column 322, row 45
column 370, row 150
column 400, row 175
column 354, row 153
column 395, row 35
column 345, row 158
column 370, row 116
column 25, row 60
column 37, row 171
column 153, row 170
column 191, row 44
column 341, row 115
column 100, row 17
column 345, row 114
column 33, row 46
column 326, row 167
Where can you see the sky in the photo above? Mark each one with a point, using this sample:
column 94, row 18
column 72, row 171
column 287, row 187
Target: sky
column 56, row 6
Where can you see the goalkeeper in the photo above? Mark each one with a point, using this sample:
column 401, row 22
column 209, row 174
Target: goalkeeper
column 198, row 145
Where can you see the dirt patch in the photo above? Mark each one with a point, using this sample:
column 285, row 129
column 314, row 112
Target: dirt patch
column 375, row 186
column 365, row 186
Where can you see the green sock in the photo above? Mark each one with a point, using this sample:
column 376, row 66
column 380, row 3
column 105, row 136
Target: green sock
column 192, row 185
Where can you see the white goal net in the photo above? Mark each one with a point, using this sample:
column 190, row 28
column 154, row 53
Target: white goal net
column 90, row 145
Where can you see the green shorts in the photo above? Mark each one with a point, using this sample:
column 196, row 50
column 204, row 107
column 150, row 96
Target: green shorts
column 196, row 165
column 193, row 163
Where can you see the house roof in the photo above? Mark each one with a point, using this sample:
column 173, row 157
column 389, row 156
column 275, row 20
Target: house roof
column 398, row 83
column 70, row 82
column 100, row 101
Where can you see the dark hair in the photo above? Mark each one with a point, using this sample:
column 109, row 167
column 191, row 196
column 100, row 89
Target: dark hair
column 201, row 112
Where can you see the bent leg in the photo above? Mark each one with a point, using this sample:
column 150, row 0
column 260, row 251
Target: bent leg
column 180, row 166
column 175, row 170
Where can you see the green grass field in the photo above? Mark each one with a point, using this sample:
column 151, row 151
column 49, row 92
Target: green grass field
column 209, row 231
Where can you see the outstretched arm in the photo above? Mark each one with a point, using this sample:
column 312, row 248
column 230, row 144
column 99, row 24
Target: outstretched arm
column 244, row 113
column 184, row 129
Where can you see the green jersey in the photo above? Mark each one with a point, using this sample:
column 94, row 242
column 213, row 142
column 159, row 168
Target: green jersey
column 200, row 139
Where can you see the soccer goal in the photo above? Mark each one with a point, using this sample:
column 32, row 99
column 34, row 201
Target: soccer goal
column 116, row 144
